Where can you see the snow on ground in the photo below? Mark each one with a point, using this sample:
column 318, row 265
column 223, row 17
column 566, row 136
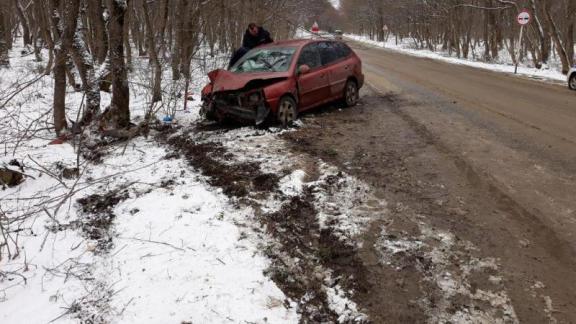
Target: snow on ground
column 141, row 236
column 504, row 65
column 178, row 251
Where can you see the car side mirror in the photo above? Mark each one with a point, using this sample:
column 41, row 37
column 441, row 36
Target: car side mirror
column 303, row 69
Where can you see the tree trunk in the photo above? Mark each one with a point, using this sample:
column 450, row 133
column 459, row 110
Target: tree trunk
column 127, row 23
column 555, row 34
column 84, row 63
column 43, row 22
column 59, row 105
column 24, row 22
column 4, row 34
column 118, row 114
column 98, row 24
column 157, row 89
column 179, row 30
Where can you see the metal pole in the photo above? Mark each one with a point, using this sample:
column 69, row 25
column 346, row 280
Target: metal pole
column 519, row 49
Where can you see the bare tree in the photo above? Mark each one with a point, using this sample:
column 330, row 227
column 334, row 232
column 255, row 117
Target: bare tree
column 24, row 22
column 118, row 114
column 151, row 45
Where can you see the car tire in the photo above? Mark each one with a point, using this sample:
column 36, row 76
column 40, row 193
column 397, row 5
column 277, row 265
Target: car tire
column 287, row 111
column 351, row 93
column 572, row 82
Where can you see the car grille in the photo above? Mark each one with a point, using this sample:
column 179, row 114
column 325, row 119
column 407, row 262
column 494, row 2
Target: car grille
column 227, row 99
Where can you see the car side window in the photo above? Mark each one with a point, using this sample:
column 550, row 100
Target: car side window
column 310, row 56
column 328, row 52
column 343, row 50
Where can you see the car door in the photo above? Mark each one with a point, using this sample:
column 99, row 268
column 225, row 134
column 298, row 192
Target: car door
column 340, row 69
column 314, row 86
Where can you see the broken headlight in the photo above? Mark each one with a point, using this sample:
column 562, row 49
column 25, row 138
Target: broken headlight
column 253, row 98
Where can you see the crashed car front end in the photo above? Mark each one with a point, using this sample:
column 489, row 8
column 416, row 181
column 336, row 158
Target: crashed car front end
column 244, row 105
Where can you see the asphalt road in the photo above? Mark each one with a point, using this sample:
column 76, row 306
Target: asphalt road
column 488, row 156
column 519, row 132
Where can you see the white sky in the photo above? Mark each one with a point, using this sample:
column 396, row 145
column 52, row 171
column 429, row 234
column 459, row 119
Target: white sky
column 335, row 3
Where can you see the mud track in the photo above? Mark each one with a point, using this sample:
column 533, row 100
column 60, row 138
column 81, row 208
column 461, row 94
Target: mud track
column 301, row 251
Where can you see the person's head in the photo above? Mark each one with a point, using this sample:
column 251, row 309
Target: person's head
column 253, row 29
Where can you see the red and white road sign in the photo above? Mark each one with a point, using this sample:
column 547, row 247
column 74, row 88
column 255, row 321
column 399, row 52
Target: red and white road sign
column 524, row 18
column 315, row 28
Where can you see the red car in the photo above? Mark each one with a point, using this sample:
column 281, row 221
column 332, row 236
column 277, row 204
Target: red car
column 279, row 80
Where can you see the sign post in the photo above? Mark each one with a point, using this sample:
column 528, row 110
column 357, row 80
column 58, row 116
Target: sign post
column 523, row 19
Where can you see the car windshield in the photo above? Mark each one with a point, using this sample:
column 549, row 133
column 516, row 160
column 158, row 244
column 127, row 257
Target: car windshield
column 269, row 59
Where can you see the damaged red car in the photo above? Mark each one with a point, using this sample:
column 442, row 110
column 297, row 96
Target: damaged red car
column 280, row 80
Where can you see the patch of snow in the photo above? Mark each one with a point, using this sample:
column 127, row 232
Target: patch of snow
column 293, row 184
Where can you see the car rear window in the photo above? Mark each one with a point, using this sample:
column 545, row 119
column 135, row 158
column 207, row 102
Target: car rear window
column 342, row 49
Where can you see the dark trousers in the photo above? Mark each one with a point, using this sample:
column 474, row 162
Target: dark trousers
column 237, row 56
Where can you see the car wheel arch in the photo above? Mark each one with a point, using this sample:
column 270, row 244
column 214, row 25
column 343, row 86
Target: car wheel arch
column 571, row 79
column 352, row 78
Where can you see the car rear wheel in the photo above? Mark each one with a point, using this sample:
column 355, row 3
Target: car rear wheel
column 351, row 93
column 572, row 82
column 287, row 111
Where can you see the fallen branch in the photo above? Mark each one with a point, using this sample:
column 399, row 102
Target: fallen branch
column 156, row 242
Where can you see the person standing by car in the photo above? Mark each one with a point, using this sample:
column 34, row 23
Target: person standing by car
column 254, row 36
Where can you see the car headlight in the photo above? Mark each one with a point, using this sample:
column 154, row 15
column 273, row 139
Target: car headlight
column 254, row 98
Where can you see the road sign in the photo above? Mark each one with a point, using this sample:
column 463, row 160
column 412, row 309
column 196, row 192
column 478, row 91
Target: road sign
column 315, row 27
column 524, row 18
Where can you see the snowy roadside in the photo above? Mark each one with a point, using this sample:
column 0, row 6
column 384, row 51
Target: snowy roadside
column 198, row 223
column 550, row 74
column 136, row 236
column 138, row 231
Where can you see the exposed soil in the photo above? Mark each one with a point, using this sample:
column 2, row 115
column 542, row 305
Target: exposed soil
column 98, row 217
column 301, row 251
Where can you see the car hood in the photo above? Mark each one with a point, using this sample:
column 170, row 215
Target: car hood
column 223, row 80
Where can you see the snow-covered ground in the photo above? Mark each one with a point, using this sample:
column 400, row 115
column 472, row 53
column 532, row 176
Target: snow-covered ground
column 173, row 250
column 503, row 64
column 139, row 235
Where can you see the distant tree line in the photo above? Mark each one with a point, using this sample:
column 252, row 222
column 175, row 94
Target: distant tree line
column 97, row 40
column 463, row 26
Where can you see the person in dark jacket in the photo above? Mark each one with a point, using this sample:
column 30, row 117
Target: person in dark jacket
column 254, row 36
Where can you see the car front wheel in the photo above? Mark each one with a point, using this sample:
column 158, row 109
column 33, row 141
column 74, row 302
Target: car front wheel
column 572, row 82
column 351, row 93
column 287, row 111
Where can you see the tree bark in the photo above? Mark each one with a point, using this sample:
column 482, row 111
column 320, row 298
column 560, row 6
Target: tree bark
column 157, row 88
column 98, row 24
column 4, row 33
column 118, row 115
column 84, row 63
column 60, row 53
column 555, row 34
column 24, row 22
